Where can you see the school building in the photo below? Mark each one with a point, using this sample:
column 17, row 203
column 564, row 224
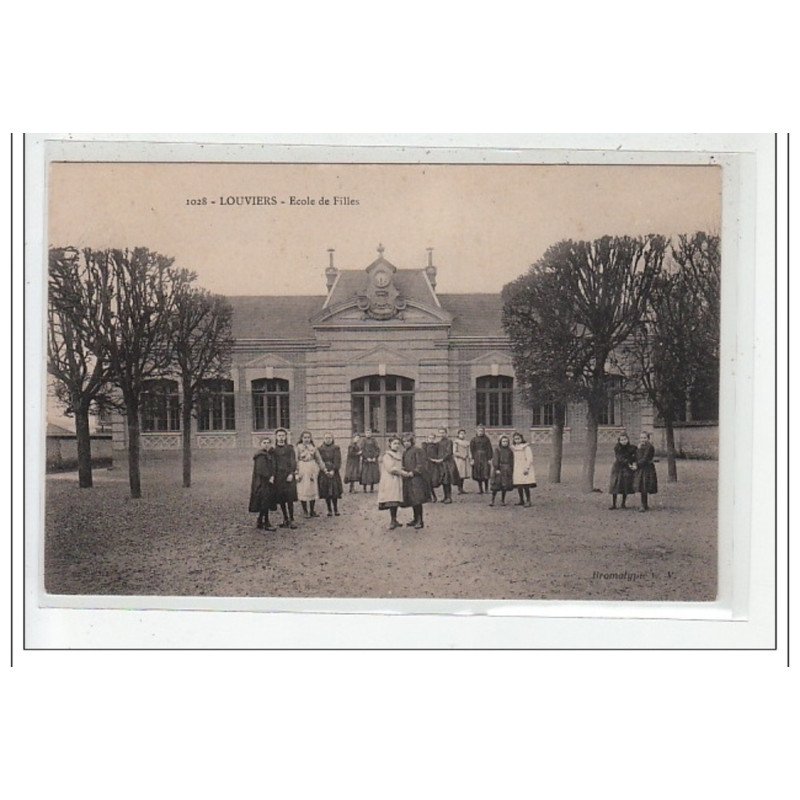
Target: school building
column 380, row 348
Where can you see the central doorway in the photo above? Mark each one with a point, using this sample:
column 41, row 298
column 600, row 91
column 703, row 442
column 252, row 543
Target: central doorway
column 384, row 403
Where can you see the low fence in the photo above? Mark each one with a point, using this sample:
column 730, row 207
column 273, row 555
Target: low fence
column 62, row 451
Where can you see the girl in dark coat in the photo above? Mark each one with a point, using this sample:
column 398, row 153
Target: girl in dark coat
column 480, row 449
column 370, row 471
column 262, row 494
column 416, row 489
column 285, row 477
column 502, row 469
column 645, row 481
column 622, row 470
column 329, row 480
column 434, row 465
column 447, row 465
column 352, row 470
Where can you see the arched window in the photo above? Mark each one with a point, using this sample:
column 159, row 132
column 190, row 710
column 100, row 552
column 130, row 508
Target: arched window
column 383, row 403
column 494, row 401
column 270, row 404
column 611, row 415
column 215, row 406
column 160, row 406
column 544, row 415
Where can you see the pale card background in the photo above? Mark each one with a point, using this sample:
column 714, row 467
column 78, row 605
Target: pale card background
column 389, row 724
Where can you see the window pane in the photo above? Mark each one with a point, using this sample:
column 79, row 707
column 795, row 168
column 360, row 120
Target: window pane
column 357, row 386
column 536, row 416
column 494, row 410
column 480, row 406
column 406, row 384
column 272, row 411
column 258, row 412
column 408, row 413
column 230, row 413
column 375, row 413
column 506, row 399
column 357, row 417
column 374, row 383
column 391, row 414
column 391, row 383
column 284, row 412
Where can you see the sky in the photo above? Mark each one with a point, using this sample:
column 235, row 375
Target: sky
column 486, row 223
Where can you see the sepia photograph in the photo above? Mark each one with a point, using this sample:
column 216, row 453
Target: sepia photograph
column 383, row 380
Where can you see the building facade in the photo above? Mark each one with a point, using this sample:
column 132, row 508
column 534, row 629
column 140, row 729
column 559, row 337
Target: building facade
column 381, row 349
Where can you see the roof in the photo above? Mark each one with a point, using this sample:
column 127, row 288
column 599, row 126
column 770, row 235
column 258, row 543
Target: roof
column 58, row 430
column 274, row 317
column 287, row 317
column 411, row 283
column 474, row 314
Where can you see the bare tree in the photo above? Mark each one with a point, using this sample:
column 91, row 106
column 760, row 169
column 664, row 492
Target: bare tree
column 603, row 288
column 75, row 359
column 675, row 350
column 139, row 291
column 539, row 321
column 201, row 343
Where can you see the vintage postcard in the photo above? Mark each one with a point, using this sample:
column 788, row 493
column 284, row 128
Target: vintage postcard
column 477, row 379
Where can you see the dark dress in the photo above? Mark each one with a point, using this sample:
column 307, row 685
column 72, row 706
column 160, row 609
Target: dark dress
column 621, row 481
column 416, row 489
column 645, row 479
column 285, row 465
column 431, row 450
column 330, row 487
column 370, row 471
column 503, row 463
column 448, row 468
column 352, row 470
column 480, row 449
column 262, row 494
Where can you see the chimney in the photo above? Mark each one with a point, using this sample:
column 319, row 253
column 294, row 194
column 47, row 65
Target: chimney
column 331, row 272
column 430, row 270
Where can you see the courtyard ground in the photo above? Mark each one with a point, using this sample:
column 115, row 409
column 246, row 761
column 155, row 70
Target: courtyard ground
column 202, row 541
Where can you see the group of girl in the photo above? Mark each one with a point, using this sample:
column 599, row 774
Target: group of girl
column 283, row 474
column 406, row 474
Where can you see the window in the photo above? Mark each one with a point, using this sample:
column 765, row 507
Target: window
column 215, row 407
column 270, row 404
column 382, row 403
column 544, row 415
column 160, row 404
column 494, row 401
column 610, row 415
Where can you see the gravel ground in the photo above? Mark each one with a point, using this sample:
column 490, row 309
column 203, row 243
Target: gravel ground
column 202, row 541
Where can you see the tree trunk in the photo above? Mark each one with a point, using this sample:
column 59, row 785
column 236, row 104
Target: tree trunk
column 672, row 467
column 134, row 447
column 557, row 445
column 590, row 455
column 186, row 436
column 84, row 443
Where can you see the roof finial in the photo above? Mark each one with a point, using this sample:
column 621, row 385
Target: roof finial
column 430, row 256
column 331, row 251
column 381, row 248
